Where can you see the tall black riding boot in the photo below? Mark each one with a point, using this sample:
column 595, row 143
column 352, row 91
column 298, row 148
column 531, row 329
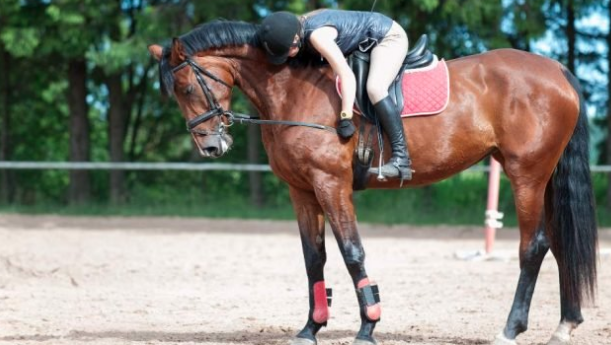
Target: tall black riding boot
column 399, row 164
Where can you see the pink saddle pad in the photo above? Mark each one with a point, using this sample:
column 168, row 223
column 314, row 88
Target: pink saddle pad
column 426, row 91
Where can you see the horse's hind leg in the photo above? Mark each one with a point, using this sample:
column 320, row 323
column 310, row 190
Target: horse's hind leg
column 570, row 306
column 571, row 213
column 534, row 244
column 311, row 223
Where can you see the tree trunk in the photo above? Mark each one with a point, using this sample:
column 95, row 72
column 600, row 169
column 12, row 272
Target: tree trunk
column 571, row 35
column 80, row 187
column 313, row 5
column 117, row 121
column 138, row 100
column 7, row 187
column 254, row 177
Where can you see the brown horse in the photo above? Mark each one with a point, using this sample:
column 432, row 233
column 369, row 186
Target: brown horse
column 525, row 110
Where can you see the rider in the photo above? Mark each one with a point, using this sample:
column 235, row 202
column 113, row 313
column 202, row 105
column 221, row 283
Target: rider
column 335, row 34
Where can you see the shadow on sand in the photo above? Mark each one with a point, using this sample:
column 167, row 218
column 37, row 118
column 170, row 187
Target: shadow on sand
column 271, row 337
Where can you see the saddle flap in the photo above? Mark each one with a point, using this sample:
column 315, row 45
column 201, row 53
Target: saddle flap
column 359, row 63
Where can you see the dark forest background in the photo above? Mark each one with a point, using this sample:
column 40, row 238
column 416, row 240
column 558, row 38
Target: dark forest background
column 77, row 84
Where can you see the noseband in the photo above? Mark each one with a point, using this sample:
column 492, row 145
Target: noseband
column 217, row 110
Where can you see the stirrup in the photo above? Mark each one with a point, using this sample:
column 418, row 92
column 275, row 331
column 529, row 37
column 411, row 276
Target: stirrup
column 392, row 169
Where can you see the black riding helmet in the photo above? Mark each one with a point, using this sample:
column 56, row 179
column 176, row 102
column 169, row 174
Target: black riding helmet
column 277, row 33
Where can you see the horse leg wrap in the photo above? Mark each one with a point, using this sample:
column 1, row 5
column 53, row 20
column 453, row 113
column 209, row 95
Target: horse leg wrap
column 322, row 302
column 369, row 300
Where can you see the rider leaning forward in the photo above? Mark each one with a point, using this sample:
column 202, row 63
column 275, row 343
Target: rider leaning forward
column 335, row 34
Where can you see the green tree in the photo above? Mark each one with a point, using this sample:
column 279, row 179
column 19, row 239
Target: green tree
column 608, row 124
column 7, row 190
column 64, row 37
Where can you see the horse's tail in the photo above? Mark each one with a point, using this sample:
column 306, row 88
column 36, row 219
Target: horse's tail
column 571, row 212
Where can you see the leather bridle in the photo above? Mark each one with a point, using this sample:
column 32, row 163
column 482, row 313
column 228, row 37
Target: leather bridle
column 215, row 107
column 228, row 117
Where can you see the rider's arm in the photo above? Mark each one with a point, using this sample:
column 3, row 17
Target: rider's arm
column 323, row 39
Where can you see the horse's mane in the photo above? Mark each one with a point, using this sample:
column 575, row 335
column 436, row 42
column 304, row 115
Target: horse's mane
column 216, row 34
column 219, row 34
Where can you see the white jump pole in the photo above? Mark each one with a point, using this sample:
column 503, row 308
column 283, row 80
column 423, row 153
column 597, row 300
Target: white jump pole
column 493, row 216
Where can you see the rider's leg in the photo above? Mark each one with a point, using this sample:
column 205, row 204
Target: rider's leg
column 386, row 60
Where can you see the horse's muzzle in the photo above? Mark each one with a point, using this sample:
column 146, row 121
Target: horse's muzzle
column 214, row 146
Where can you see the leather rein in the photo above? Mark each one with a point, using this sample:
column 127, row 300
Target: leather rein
column 229, row 116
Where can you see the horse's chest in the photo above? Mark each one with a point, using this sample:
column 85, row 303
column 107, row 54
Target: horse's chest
column 285, row 165
column 288, row 161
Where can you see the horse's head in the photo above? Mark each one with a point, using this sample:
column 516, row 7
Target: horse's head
column 201, row 84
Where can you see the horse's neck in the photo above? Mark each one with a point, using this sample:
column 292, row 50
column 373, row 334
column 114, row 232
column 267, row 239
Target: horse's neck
column 284, row 93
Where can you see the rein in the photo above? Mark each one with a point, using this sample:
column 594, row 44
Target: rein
column 216, row 110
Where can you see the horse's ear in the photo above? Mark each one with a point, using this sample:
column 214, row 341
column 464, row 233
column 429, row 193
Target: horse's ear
column 178, row 52
column 156, row 51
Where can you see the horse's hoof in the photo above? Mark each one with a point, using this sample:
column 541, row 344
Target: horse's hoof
column 502, row 340
column 363, row 342
column 302, row 341
column 562, row 335
column 560, row 339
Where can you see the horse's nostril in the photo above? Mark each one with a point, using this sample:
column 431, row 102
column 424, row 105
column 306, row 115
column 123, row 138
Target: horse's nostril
column 211, row 150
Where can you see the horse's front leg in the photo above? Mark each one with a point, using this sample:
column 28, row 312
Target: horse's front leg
column 311, row 223
column 335, row 196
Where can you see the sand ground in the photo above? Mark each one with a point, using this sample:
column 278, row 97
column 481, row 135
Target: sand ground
column 134, row 281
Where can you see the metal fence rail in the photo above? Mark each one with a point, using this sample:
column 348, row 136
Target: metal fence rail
column 130, row 166
column 179, row 166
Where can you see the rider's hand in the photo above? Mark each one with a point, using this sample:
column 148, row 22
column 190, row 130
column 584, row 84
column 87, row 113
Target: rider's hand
column 346, row 127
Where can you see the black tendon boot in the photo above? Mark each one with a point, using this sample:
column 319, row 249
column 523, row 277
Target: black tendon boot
column 399, row 164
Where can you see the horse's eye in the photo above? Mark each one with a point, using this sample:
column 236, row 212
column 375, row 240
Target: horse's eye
column 189, row 90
